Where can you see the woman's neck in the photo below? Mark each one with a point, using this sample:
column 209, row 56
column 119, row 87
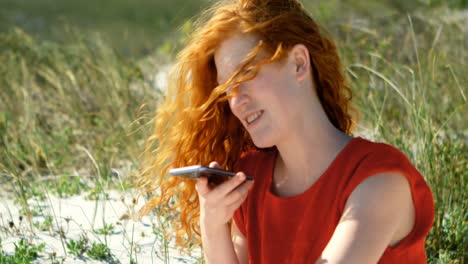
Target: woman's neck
column 308, row 150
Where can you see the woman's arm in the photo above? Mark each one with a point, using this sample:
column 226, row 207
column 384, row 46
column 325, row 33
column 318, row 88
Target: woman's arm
column 217, row 206
column 240, row 244
column 378, row 213
column 217, row 245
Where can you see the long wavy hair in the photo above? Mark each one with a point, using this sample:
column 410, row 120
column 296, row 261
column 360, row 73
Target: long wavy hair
column 194, row 125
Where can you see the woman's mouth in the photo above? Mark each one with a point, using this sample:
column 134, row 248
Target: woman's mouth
column 253, row 117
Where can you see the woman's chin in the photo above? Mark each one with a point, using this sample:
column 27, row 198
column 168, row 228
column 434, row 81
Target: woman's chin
column 262, row 137
column 262, row 143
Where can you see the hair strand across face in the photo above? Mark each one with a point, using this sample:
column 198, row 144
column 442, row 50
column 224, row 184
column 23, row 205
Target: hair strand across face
column 195, row 124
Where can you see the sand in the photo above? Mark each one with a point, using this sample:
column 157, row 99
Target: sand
column 78, row 216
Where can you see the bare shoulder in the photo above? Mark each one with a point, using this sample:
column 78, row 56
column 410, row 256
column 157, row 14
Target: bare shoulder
column 378, row 213
column 378, row 185
column 383, row 199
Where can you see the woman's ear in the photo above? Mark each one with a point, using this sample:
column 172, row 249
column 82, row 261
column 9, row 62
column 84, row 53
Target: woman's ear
column 299, row 55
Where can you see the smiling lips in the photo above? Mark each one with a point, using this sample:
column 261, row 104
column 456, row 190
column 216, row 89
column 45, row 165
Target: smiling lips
column 251, row 118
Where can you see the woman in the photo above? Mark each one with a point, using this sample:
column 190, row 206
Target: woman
column 259, row 89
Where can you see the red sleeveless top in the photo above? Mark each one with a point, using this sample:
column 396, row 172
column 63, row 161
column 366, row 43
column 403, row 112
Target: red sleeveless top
column 296, row 229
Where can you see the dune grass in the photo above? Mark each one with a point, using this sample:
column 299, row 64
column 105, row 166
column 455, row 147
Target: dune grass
column 74, row 115
column 411, row 92
column 131, row 27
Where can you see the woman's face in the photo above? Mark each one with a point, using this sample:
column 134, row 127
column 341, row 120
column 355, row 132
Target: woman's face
column 269, row 106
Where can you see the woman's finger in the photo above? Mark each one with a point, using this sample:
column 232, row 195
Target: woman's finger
column 202, row 186
column 214, row 164
column 237, row 203
column 226, row 187
column 238, row 193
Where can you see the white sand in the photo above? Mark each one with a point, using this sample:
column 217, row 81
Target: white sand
column 77, row 216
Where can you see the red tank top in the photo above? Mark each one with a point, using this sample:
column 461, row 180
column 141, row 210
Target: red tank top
column 296, row 229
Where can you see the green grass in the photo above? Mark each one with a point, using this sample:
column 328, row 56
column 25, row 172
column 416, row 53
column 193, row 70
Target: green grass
column 24, row 253
column 99, row 251
column 133, row 27
column 75, row 107
column 78, row 247
column 409, row 82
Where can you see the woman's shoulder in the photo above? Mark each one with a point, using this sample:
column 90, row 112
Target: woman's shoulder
column 388, row 163
column 379, row 146
column 385, row 159
column 383, row 155
column 376, row 158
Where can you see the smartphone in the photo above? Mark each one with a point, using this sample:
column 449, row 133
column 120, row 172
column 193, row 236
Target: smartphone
column 213, row 174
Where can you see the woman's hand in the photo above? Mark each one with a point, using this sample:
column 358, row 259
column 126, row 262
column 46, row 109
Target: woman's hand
column 218, row 203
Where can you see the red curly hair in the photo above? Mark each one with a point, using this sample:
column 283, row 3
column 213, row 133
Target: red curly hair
column 195, row 124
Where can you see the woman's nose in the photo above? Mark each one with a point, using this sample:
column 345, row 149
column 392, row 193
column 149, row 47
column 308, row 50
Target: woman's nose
column 238, row 98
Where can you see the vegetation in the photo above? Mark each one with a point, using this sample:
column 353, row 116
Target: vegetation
column 78, row 247
column 76, row 104
column 99, row 251
column 24, row 253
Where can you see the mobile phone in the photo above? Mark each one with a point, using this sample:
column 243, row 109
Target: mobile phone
column 198, row 170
